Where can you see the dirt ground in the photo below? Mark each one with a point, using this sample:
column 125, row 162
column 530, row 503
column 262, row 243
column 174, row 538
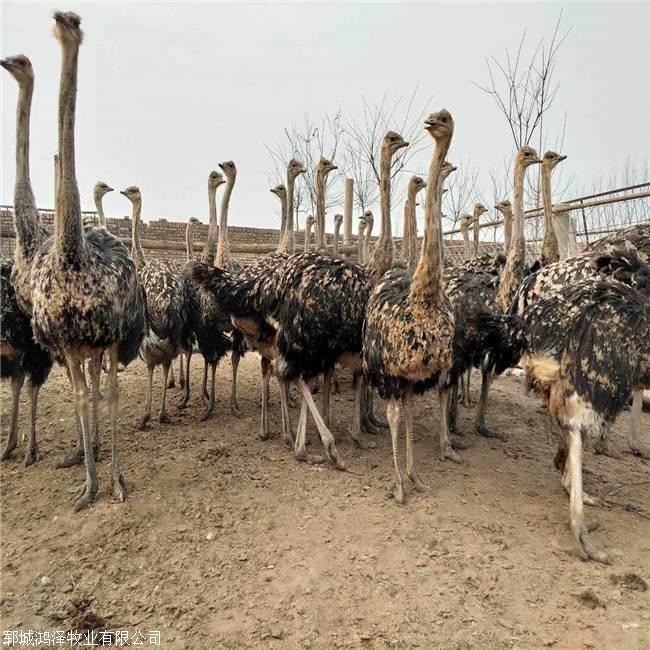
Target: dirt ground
column 226, row 541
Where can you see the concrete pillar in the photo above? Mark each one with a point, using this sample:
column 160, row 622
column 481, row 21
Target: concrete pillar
column 565, row 232
column 347, row 212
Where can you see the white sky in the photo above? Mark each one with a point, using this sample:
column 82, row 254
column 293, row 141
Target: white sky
column 168, row 90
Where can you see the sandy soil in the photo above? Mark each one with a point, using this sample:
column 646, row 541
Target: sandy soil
column 228, row 542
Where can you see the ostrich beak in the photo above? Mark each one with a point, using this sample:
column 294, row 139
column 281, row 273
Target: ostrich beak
column 561, row 158
column 109, row 189
column 6, row 64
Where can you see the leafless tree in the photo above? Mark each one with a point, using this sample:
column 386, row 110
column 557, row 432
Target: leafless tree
column 462, row 193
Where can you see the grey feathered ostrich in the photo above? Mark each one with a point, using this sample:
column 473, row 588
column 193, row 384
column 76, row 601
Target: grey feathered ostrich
column 322, row 171
column 586, row 349
column 361, row 230
column 167, row 299
column 408, row 335
column 550, row 248
column 99, row 191
column 20, row 356
column 505, row 208
column 86, row 296
column 281, row 192
column 309, row 224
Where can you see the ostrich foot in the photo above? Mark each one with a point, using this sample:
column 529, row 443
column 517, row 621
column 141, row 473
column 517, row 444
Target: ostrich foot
column 333, row 455
column 311, row 459
column 205, row 397
column 587, row 549
column 449, row 454
column 458, row 444
column 75, row 457
column 234, row 409
column 378, row 422
column 119, row 486
column 86, row 496
column 396, row 491
column 31, row 455
column 269, row 435
column 8, row 452
column 417, row 483
column 163, row 418
column 486, row 432
column 142, row 423
column 369, row 427
column 640, row 450
column 207, row 413
column 466, row 402
column 590, row 500
column 183, row 403
column 602, row 448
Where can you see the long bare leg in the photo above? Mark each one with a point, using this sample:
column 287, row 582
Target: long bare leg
column 265, row 367
column 119, row 484
column 94, row 370
column 12, row 439
column 31, row 453
column 465, row 380
column 407, row 405
column 181, row 371
column 89, row 491
column 446, row 451
column 287, row 433
column 234, row 407
column 171, row 382
column 359, row 389
column 336, row 382
column 163, row 417
column 638, row 448
column 76, row 456
column 213, row 382
column 371, row 410
column 368, row 424
column 204, row 386
column 396, row 489
column 186, row 381
column 147, row 408
column 586, row 548
column 326, row 436
column 327, row 387
column 300, row 447
column 481, row 427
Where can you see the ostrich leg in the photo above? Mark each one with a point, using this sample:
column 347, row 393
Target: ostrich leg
column 94, row 370
column 465, row 380
column 234, row 407
column 163, row 418
column 368, row 424
column 12, row 439
column 210, row 404
column 172, row 379
column 446, row 451
column 147, row 409
column 185, row 383
column 359, row 389
column 31, row 453
column 119, row 484
column 481, row 427
column 638, row 448
column 204, row 387
column 407, row 405
column 336, row 386
column 265, row 367
column 371, row 410
column 396, row 490
column 287, row 433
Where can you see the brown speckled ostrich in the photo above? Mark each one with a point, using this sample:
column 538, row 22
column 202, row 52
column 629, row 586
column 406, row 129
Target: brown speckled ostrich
column 550, row 248
column 322, row 171
column 409, row 329
column 85, row 291
column 167, row 309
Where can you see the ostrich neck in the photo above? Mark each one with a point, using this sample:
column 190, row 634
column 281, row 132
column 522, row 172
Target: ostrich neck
column 286, row 243
column 68, row 227
column 223, row 245
column 320, row 211
column 307, row 237
column 468, row 248
column 383, row 257
column 512, row 273
column 26, row 218
column 476, row 234
column 413, row 237
column 136, row 246
column 427, row 278
column 335, row 243
column 507, row 230
column 405, row 230
column 99, row 205
column 360, row 246
column 550, row 250
column 366, row 249
column 283, row 219
column 189, row 243
column 210, row 247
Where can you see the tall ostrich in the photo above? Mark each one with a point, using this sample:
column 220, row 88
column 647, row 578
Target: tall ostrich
column 370, row 223
column 586, row 348
column 409, row 328
column 361, row 243
column 550, row 248
column 505, row 208
column 294, row 169
column 86, row 297
column 99, row 191
column 465, row 222
column 281, row 192
column 309, row 224
column 412, row 253
column 338, row 221
column 479, row 209
column 321, row 173
column 21, row 357
column 167, row 308
column 215, row 180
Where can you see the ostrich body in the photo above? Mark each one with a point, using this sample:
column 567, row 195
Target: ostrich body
column 85, row 290
column 586, row 349
column 321, row 173
column 99, row 191
column 167, row 299
column 635, row 236
column 550, row 248
column 409, row 328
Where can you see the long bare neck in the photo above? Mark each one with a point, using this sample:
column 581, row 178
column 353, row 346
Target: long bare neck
column 427, row 278
column 550, row 248
column 507, row 230
column 189, row 242
column 468, row 248
column 307, row 237
column 361, row 247
column 99, row 205
column 366, row 249
column 475, row 226
column 405, row 231
column 136, row 246
column 283, row 219
column 413, row 252
column 335, row 243
column 224, row 258
column 383, row 255
column 286, row 243
column 68, row 227
column 320, row 211
column 513, row 270
column 210, row 247
column 26, row 218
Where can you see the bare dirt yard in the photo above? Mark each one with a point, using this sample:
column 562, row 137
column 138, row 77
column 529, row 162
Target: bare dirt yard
column 226, row 541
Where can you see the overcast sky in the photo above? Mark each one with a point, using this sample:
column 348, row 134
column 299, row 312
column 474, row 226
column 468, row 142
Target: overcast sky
column 166, row 91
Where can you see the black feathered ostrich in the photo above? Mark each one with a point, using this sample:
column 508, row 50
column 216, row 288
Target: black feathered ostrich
column 586, row 349
column 409, row 330
column 85, row 290
column 20, row 356
column 167, row 299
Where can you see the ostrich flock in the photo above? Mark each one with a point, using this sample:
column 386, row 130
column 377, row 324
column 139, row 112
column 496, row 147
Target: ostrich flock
column 579, row 328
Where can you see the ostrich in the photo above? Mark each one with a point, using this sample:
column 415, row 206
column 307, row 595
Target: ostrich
column 465, row 223
column 309, row 224
column 361, row 229
column 479, row 209
column 87, row 300
column 505, row 208
column 586, row 349
column 294, row 169
column 338, row 221
column 410, row 253
column 20, row 355
column 215, row 180
column 167, row 307
column 635, row 236
column 550, row 249
column 408, row 336
column 321, row 173
column 281, row 192
column 99, row 191
column 370, row 222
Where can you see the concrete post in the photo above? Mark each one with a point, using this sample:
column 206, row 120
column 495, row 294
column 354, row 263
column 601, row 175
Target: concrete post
column 566, row 235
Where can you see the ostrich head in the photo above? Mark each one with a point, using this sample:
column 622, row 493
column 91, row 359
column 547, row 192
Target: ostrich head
column 369, row 219
column 132, row 193
column 20, row 68
column 67, row 28
column 527, row 156
column 416, row 184
column 310, row 221
column 440, row 124
column 229, row 170
column 215, row 179
column 101, row 188
column 192, row 222
column 338, row 220
column 551, row 159
column 280, row 191
column 393, row 142
column 294, row 169
column 363, row 224
column 479, row 209
column 504, row 207
column 325, row 166
column 446, row 169
column 465, row 222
